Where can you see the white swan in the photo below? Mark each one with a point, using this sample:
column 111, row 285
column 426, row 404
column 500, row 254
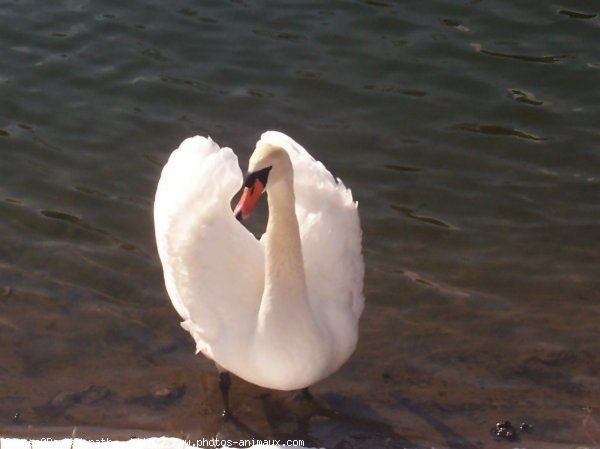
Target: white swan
column 281, row 312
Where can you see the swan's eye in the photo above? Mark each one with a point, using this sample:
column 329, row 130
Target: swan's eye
column 262, row 175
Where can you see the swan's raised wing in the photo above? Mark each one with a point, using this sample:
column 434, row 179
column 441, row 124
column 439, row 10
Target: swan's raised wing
column 213, row 266
column 329, row 229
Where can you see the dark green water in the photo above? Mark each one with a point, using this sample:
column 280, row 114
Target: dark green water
column 467, row 130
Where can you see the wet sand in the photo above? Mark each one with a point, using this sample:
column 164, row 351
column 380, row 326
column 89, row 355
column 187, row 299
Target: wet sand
column 117, row 373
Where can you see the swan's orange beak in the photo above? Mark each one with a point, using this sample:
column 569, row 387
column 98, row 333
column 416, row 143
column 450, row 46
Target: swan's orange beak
column 248, row 200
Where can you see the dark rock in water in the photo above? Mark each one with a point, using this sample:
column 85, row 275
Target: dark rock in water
column 92, row 395
column 64, row 400
column 526, row 427
column 161, row 397
column 170, row 393
column 504, row 430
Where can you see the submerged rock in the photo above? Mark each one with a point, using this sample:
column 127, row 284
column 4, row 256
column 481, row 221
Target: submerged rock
column 64, row 400
column 161, row 397
column 504, row 430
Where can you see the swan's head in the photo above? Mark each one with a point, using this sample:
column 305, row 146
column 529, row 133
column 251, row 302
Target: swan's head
column 269, row 165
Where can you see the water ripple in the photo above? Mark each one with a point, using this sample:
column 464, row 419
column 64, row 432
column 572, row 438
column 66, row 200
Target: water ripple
column 280, row 35
column 388, row 88
column 155, row 54
column 576, row 14
column 523, row 96
column 408, row 212
column 379, row 3
column 186, row 82
column 545, row 59
column 457, row 24
column 403, row 168
column 189, row 12
column 447, row 289
column 77, row 221
column 57, row 215
column 498, row 130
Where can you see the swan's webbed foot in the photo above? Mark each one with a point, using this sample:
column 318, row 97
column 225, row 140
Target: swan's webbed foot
column 224, row 384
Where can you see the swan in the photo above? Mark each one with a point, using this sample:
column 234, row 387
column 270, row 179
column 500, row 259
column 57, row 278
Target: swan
column 281, row 312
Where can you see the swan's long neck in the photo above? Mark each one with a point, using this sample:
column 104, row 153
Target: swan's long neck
column 291, row 346
column 285, row 283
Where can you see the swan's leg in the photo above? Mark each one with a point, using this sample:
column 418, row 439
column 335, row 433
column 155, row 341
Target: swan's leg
column 224, row 384
column 302, row 395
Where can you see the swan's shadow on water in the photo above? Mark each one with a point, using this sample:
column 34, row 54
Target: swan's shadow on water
column 330, row 421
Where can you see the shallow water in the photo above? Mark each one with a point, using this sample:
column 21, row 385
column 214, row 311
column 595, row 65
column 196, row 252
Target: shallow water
column 468, row 132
